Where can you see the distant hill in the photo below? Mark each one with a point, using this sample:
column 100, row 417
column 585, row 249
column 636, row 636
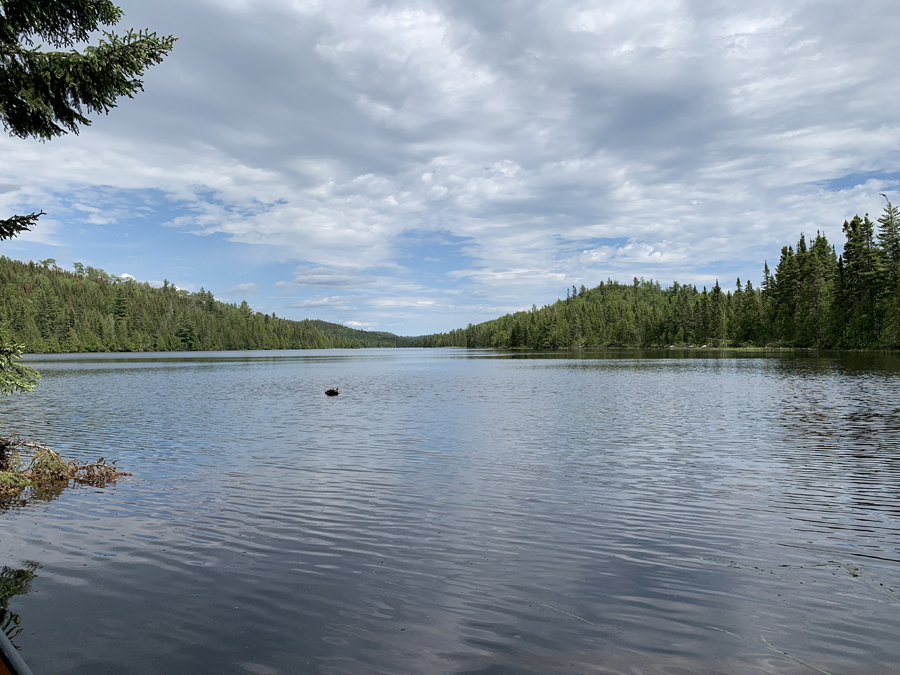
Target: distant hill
column 50, row 309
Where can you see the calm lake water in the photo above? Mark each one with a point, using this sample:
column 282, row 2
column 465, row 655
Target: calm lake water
column 462, row 511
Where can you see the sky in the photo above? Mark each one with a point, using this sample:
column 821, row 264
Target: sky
column 415, row 166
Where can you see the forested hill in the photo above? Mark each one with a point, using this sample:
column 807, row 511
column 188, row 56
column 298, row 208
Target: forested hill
column 815, row 298
column 53, row 310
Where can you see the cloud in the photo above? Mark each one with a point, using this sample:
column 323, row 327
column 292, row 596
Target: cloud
column 402, row 302
column 324, row 277
column 337, row 301
column 243, row 289
column 633, row 252
column 700, row 136
column 95, row 216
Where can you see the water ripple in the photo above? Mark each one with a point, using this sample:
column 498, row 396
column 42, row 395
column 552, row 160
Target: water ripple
column 465, row 512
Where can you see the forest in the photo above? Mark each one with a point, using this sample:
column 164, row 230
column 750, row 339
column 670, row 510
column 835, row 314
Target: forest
column 815, row 298
column 49, row 309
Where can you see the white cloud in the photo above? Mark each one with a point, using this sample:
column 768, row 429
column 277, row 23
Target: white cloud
column 335, row 301
column 702, row 134
column 634, row 252
column 325, row 277
column 244, row 289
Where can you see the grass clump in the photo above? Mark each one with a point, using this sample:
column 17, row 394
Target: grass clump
column 47, row 469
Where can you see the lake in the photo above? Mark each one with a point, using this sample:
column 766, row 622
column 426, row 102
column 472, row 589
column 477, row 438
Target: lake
column 462, row 511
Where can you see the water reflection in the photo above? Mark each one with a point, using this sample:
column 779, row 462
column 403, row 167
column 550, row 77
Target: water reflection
column 469, row 512
column 13, row 582
column 31, row 495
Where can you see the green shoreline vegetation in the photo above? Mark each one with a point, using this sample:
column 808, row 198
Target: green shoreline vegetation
column 815, row 299
column 49, row 310
column 47, row 87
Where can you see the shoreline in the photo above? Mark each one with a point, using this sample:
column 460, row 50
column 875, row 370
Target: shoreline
column 533, row 350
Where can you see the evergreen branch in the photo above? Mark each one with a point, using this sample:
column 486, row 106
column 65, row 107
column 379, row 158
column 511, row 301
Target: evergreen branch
column 15, row 376
column 61, row 23
column 47, row 94
column 11, row 227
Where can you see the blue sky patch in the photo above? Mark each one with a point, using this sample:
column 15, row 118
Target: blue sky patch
column 429, row 256
column 851, row 180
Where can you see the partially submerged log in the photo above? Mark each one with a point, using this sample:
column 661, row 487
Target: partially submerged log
column 46, row 468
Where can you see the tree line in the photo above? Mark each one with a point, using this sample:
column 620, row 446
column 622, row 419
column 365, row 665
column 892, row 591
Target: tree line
column 815, row 298
column 49, row 309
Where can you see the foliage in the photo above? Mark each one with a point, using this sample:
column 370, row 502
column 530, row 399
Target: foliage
column 48, row 466
column 10, row 227
column 14, row 376
column 814, row 299
column 47, row 93
column 48, row 309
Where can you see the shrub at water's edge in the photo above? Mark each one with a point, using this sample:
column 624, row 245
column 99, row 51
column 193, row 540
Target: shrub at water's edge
column 14, row 375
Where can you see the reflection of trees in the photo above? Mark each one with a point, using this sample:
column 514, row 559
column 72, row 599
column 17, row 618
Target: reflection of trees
column 14, row 582
column 36, row 493
column 841, row 433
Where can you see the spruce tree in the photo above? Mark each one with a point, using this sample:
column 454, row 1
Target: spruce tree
column 816, row 291
column 862, row 281
column 784, row 295
column 889, row 240
column 45, row 93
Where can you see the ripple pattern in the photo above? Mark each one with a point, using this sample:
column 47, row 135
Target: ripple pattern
column 465, row 512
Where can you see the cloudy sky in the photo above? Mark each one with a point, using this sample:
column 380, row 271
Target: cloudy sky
column 414, row 166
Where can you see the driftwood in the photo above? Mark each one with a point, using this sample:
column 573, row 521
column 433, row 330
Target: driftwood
column 45, row 468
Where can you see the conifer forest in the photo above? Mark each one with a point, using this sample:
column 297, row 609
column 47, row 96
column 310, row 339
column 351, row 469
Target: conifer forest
column 815, row 298
column 49, row 309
